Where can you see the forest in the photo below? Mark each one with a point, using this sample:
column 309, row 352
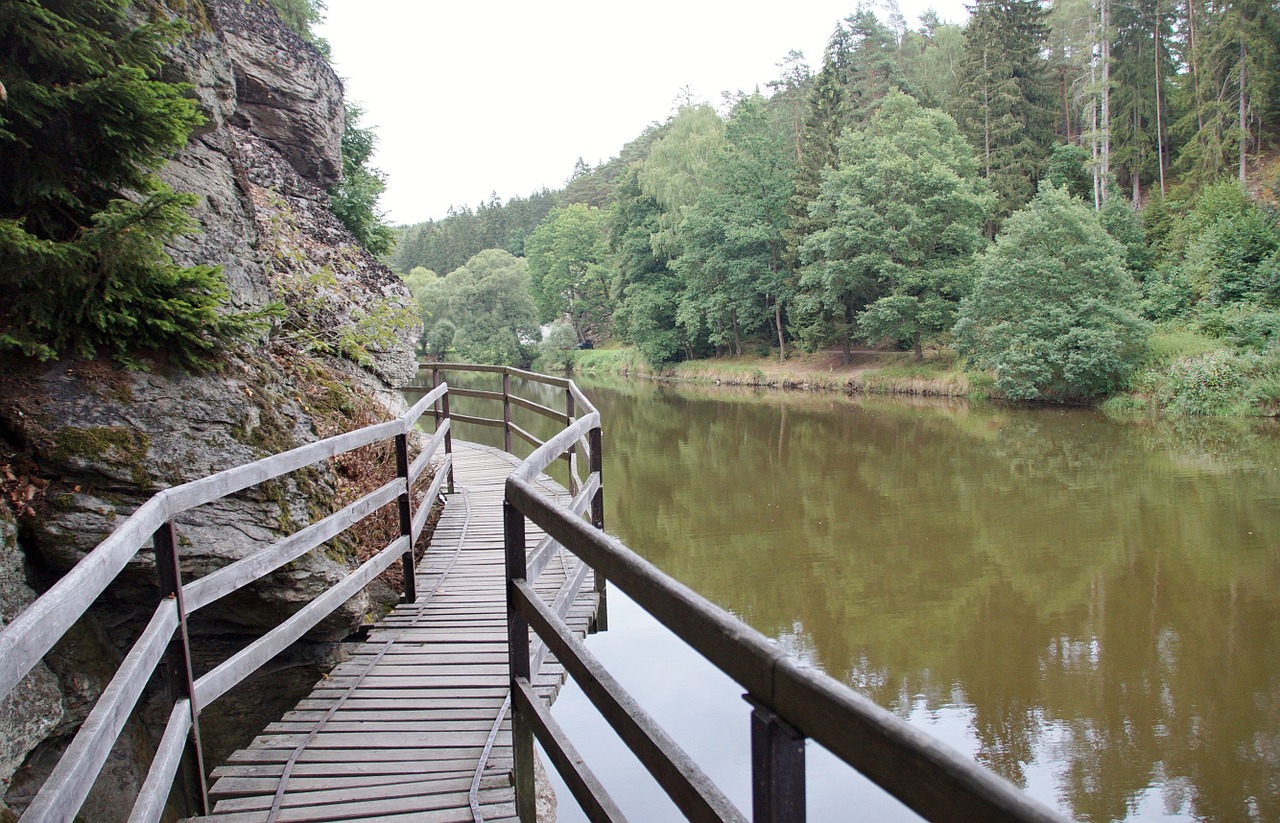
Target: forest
column 1072, row 201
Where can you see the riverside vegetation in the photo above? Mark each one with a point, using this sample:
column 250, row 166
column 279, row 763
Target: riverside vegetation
column 1090, row 216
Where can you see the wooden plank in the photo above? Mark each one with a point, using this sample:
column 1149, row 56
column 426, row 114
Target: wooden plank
column 65, row 790
column 682, row 779
column 537, row 408
column 582, row 783
column 216, row 683
column 372, row 768
column 151, row 800
column 350, row 794
column 30, row 635
column 233, row 576
column 417, row 702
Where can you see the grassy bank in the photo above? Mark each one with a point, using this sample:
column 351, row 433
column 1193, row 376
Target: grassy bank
column 1184, row 373
column 866, row 373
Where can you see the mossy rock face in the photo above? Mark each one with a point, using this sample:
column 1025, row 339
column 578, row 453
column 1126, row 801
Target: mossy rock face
column 114, row 445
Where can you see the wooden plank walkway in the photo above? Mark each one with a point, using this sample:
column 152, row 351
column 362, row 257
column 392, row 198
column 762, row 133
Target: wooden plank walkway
column 415, row 726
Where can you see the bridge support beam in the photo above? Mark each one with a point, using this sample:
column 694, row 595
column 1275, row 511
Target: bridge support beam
column 176, row 672
column 595, row 464
column 777, row 768
column 518, row 655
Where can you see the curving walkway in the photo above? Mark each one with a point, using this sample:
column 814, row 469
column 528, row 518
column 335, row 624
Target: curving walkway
column 414, row 727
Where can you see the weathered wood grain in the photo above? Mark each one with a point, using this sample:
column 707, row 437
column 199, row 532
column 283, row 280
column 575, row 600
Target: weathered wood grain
column 416, row 705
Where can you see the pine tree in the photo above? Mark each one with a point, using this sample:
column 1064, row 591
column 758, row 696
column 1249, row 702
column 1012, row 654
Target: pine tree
column 1143, row 66
column 83, row 218
column 1005, row 100
column 1232, row 52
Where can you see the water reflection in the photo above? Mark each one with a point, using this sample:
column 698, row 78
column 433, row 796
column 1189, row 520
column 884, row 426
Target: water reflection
column 1099, row 600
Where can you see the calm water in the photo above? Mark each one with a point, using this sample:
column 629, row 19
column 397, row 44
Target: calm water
column 1090, row 608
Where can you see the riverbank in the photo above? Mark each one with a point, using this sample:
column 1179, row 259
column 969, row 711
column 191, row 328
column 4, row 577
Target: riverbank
column 867, row 372
column 1184, row 374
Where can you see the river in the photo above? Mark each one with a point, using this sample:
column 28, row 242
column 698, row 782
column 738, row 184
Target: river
column 1091, row 608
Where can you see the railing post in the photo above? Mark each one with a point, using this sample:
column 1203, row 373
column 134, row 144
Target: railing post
column 506, row 412
column 518, row 659
column 176, row 668
column 596, row 464
column 406, row 518
column 777, row 768
column 448, row 436
column 573, row 450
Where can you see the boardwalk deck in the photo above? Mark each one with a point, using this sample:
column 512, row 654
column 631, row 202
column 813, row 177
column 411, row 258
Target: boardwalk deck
column 415, row 726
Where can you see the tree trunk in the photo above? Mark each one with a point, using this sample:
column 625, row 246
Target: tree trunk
column 1093, row 128
column 777, row 321
column 1159, row 103
column 1244, row 126
column 915, row 343
column 986, row 115
column 1062, row 96
column 1104, row 41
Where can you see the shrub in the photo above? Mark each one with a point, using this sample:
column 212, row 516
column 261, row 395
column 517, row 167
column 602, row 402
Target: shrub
column 1051, row 311
column 1208, row 384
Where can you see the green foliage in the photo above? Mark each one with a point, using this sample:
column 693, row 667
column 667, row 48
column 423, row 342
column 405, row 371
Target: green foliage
column 418, row 279
column 444, row 245
column 556, row 351
column 733, row 260
column 313, row 318
column 1068, row 168
column 1122, row 222
column 1004, row 103
column 1211, row 383
column 1052, row 309
column 1244, row 326
column 83, row 219
column 678, row 168
column 930, row 56
column 439, row 338
column 649, row 290
column 570, row 269
column 483, row 311
column 354, row 200
column 301, row 16
column 1224, row 251
column 903, row 215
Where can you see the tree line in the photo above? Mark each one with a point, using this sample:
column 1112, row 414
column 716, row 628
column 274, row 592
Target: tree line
column 1036, row 188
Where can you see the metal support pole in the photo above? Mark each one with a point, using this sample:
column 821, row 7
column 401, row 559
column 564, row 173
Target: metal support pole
column 518, row 659
column 777, row 768
column 176, row 668
column 596, row 464
column 506, row 412
column 406, row 518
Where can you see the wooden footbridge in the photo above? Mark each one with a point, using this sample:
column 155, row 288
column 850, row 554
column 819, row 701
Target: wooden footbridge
column 434, row 718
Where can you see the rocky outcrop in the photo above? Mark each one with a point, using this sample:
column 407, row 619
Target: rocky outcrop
column 84, row 443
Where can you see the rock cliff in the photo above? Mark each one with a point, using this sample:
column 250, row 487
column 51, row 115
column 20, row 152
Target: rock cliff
column 82, row 444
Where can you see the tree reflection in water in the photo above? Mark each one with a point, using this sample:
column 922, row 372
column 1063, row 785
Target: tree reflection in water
column 1100, row 598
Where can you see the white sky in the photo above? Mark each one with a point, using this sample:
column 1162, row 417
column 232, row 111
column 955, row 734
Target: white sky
column 470, row 97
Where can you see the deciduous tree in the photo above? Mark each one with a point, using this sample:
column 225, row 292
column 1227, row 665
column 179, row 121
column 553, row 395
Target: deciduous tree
column 1052, row 310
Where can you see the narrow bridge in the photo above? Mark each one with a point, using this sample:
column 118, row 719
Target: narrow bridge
column 435, row 717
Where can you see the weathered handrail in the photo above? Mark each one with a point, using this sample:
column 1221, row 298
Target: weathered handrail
column 32, row 633
column 790, row 701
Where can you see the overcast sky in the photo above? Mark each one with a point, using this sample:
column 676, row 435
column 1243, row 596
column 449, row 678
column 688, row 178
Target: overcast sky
column 469, row 98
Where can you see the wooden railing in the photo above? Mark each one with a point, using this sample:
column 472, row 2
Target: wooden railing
column 165, row 643
column 790, row 702
column 588, row 497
